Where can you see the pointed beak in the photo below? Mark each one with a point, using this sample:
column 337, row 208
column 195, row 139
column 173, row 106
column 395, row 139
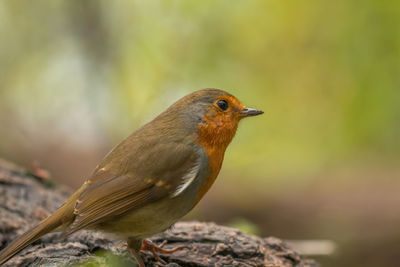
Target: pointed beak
column 249, row 112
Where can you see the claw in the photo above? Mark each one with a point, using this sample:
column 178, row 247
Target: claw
column 163, row 244
column 148, row 245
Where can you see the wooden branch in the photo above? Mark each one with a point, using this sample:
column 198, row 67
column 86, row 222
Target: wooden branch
column 26, row 199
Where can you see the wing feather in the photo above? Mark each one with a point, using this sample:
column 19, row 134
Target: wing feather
column 109, row 194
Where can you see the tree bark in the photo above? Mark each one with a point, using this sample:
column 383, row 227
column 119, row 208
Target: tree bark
column 26, row 199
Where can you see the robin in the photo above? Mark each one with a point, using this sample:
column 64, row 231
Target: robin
column 152, row 178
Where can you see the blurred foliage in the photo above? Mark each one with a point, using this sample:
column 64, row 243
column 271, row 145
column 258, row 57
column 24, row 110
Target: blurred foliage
column 78, row 76
column 245, row 226
column 107, row 258
column 326, row 73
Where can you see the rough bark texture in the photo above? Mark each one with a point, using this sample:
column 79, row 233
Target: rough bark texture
column 26, row 199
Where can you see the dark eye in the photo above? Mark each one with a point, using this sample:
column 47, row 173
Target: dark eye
column 222, row 104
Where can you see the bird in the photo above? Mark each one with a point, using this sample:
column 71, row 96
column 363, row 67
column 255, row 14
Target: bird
column 152, row 178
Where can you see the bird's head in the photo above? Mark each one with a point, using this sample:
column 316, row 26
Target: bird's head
column 214, row 114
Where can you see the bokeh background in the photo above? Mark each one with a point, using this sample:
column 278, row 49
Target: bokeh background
column 76, row 77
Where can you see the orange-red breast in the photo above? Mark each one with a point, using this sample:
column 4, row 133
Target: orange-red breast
column 153, row 177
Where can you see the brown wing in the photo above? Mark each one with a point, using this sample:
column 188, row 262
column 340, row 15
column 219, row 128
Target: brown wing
column 111, row 193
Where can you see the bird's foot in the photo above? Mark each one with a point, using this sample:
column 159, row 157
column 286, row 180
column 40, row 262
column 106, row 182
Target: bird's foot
column 148, row 245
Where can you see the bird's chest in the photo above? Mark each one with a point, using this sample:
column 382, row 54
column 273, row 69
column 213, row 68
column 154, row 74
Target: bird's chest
column 215, row 134
column 215, row 159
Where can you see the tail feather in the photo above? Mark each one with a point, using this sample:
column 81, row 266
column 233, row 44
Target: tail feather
column 29, row 237
column 59, row 220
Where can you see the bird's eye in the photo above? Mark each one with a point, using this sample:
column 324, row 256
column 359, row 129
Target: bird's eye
column 222, row 104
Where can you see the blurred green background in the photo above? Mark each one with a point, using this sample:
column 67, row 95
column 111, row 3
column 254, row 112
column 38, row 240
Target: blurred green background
column 76, row 77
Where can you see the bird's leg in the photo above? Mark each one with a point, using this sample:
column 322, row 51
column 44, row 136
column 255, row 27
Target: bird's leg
column 148, row 245
column 133, row 246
